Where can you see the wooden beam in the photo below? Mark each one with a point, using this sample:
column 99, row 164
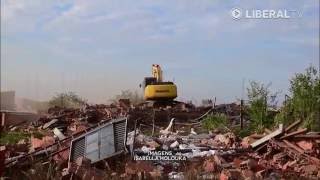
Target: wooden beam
column 293, row 125
column 268, row 137
column 300, row 131
column 308, row 136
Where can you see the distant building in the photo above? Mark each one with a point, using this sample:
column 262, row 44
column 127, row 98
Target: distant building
column 7, row 100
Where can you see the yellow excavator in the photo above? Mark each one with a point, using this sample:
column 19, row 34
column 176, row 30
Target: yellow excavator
column 155, row 89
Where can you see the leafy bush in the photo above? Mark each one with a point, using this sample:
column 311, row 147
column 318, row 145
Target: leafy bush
column 133, row 96
column 260, row 99
column 304, row 103
column 68, row 100
column 12, row 137
column 216, row 121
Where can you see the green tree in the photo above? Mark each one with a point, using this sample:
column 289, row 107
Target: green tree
column 68, row 100
column 304, row 103
column 260, row 100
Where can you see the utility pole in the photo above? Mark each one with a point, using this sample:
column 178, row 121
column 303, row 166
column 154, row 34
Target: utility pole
column 241, row 113
column 241, row 103
column 319, row 94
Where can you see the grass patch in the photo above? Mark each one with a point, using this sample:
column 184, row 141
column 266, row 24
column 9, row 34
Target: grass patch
column 242, row 132
column 12, row 137
column 216, row 121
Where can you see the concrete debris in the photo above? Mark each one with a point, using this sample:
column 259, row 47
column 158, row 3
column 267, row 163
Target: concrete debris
column 59, row 134
column 176, row 175
column 174, row 144
column 192, row 131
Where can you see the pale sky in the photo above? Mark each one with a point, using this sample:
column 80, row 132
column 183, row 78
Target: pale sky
column 97, row 48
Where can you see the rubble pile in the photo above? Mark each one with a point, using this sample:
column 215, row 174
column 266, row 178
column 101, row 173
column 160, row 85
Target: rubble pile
column 76, row 120
column 282, row 153
column 173, row 151
column 290, row 151
column 53, row 132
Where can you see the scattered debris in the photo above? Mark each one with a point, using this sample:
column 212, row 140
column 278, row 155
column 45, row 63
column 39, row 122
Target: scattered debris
column 88, row 143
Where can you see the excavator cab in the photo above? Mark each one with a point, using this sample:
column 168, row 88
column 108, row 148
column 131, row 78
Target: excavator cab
column 148, row 81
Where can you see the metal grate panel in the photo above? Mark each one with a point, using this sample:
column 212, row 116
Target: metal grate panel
column 78, row 149
column 120, row 135
column 102, row 142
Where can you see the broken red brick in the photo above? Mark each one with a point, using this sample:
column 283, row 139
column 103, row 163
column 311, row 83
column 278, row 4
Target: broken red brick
column 62, row 156
column 41, row 143
column 250, row 164
column 224, row 175
column 237, row 162
column 305, row 145
column 209, row 165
